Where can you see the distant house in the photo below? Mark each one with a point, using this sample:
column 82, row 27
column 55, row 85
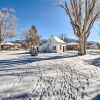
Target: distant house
column 54, row 44
column 10, row 46
column 94, row 46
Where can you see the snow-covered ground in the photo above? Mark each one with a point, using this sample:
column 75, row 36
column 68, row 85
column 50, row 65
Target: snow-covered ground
column 49, row 76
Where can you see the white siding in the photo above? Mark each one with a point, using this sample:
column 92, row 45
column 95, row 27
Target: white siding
column 50, row 43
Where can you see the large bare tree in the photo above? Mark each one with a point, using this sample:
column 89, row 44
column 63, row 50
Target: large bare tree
column 82, row 14
column 7, row 23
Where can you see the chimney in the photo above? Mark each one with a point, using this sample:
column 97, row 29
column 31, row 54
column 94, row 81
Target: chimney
column 63, row 37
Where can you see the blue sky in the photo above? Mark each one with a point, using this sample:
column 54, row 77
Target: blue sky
column 45, row 16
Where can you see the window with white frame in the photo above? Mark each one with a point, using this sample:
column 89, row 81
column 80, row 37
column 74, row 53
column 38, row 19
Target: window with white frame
column 53, row 47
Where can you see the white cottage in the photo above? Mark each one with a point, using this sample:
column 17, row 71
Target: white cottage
column 54, row 44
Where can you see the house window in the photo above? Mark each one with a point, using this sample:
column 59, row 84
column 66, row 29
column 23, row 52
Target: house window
column 53, row 47
column 60, row 47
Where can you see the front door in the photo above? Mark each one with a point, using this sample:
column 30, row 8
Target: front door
column 63, row 49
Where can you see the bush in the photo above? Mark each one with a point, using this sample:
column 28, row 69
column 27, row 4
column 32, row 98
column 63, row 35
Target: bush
column 34, row 52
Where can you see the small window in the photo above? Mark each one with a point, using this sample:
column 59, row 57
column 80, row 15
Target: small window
column 60, row 47
column 53, row 47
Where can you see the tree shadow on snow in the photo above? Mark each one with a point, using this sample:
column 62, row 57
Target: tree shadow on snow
column 97, row 97
column 95, row 62
column 24, row 96
column 13, row 67
column 27, row 60
column 94, row 52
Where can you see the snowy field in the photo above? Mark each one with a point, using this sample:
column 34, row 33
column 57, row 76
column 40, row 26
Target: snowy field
column 49, row 76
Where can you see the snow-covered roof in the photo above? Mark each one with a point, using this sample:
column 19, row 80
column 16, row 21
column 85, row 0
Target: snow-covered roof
column 58, row 39
column 72, row 43
column 8, row 43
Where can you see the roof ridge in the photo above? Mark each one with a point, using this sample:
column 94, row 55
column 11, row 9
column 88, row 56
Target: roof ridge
column 58, row 39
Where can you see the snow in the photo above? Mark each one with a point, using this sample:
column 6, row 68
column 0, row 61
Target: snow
column 58, row 39
column 8, row 43
column 72, row 43
column 49, row 75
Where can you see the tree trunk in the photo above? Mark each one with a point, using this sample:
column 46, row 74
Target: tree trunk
column 82, row 45
column 0, row 39
column 0, row 46
column 0, row 42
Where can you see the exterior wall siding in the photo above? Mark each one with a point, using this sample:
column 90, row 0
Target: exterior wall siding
column 47, row 47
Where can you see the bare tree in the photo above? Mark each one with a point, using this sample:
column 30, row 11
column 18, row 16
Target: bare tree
column 82, row 14
column 32, row 38
column 7, row 23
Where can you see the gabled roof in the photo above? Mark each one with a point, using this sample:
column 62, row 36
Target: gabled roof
column 8, row 43
column 58, row 39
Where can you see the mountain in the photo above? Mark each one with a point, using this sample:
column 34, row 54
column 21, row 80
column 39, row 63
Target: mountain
column 18, row 41
column 67, row 40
